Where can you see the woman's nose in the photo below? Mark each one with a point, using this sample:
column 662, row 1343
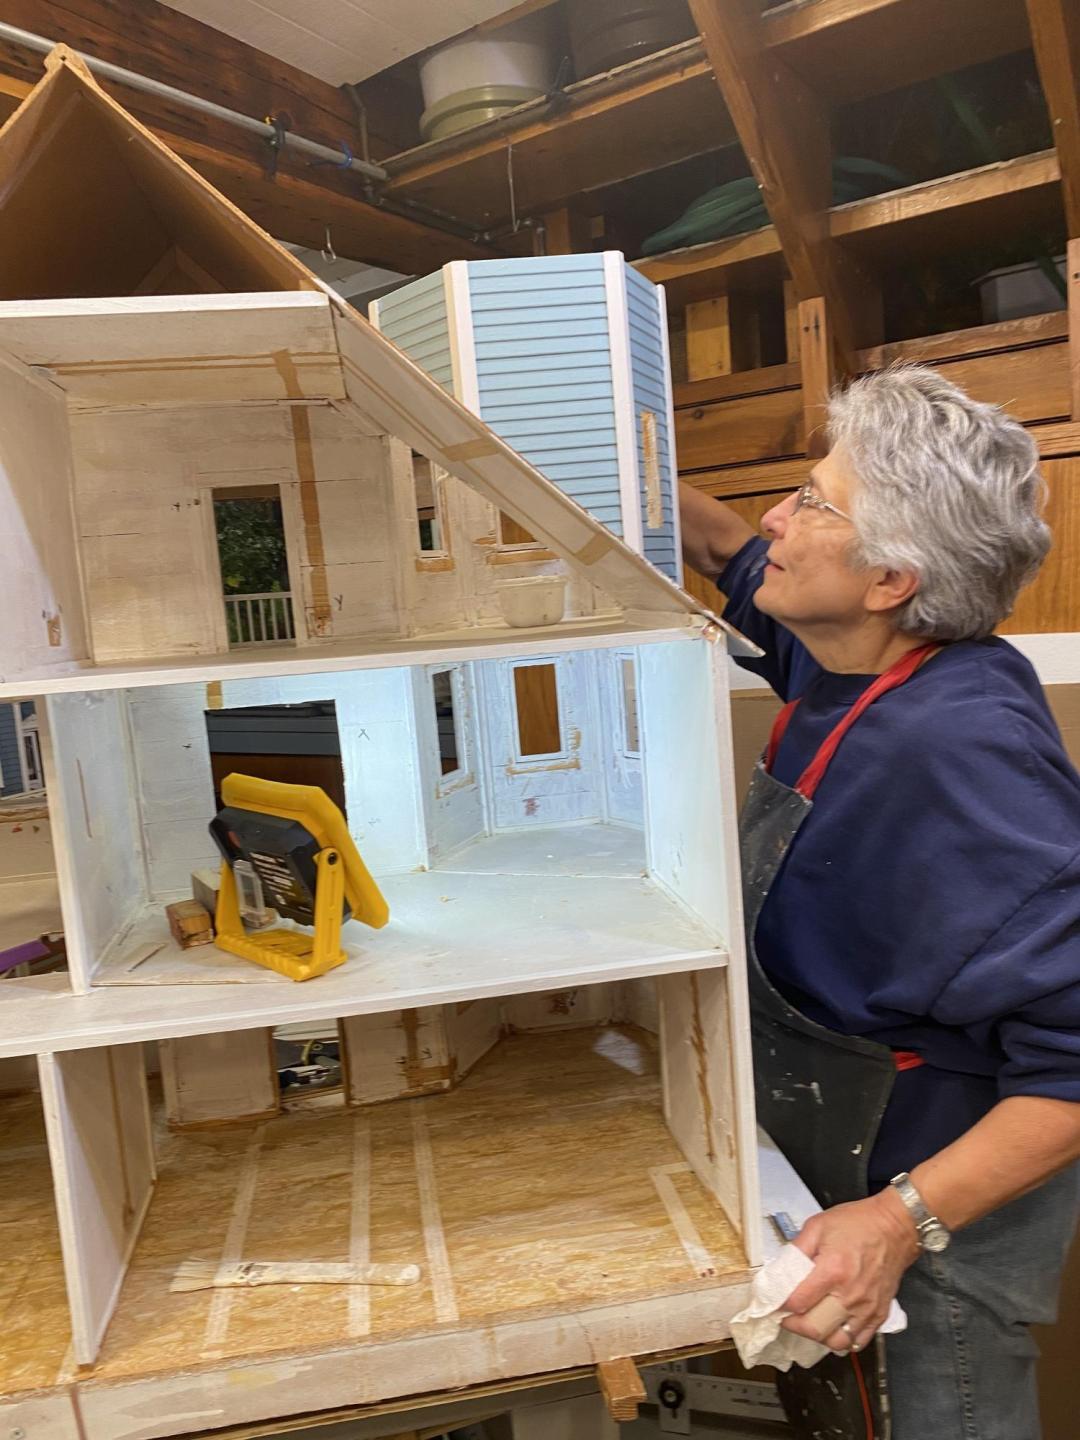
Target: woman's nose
column 774, row 521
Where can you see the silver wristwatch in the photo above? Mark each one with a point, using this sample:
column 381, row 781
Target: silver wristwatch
column 933, row 1234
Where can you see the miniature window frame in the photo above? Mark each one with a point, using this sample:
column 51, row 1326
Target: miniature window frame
column 510, row 552
column 539, row 761
column 624, row 658
column 441, row 557
column 460, row 700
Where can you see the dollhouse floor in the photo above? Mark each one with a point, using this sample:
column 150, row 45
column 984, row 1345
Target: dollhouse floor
column 537, row 1186
column 516, row 912
column 34, row 1328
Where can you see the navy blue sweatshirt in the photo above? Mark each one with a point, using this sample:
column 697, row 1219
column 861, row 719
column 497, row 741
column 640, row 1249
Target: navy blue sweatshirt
column 931, row 900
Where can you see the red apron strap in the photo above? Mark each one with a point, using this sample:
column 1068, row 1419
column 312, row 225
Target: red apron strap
column 812, row 776
column 779, row 730
column 907, row 1059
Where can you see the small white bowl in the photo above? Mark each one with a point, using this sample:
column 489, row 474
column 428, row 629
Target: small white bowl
column 533, row 600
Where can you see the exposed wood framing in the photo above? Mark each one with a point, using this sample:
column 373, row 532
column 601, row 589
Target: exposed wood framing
column 566, row 231
column 896, row 42
column 1073, row 270
column 950, row 211
column 604, row 129
column 708, row 338
column 664, row 108
column 1055, row 32
column 742, row 434
column 816, row 358
column 784, row 130
column 940, row 214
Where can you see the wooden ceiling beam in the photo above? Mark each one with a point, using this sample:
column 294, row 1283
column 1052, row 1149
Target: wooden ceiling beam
column 153, row 40
column 1055, row 32
column 783, row 127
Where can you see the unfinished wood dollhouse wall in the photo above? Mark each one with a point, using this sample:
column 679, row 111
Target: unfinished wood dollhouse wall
column 41, row 563
column 145, row 487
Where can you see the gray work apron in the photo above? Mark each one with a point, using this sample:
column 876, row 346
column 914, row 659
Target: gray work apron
column 820, row 1095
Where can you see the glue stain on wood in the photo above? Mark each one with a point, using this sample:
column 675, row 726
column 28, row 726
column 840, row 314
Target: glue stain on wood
column 318, row 609
column 697, row 1040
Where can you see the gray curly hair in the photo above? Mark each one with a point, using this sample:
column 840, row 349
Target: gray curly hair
column 950, row 490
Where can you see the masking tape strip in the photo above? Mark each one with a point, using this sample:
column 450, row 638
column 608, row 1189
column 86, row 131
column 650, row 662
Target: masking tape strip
column 471, row 449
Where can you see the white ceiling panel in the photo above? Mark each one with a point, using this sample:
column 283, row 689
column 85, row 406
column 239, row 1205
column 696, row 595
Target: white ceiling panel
column 341, row 40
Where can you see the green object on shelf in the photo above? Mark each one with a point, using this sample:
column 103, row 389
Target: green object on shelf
column 972, row 122
column 736, row 207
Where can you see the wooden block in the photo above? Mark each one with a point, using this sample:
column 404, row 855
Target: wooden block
column 621, row 1387
column 708, row 338
column 190, row 923
column 204, row 887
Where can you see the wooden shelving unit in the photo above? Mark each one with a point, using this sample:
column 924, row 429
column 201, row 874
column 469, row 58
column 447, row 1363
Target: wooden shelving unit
column 667, row 107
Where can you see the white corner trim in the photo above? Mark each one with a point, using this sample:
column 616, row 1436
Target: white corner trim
column 623, row 387
column 672, row 476
column 373, row 315
column 462, row 336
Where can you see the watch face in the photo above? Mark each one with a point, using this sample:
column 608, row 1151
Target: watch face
column 935, row 1238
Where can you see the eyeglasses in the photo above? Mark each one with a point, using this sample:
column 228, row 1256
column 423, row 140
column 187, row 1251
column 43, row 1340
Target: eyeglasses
column 808, row 496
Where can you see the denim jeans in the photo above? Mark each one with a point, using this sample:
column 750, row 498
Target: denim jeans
column 965, row 1367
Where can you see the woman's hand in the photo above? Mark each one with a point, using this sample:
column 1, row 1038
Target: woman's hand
column 860, row 1252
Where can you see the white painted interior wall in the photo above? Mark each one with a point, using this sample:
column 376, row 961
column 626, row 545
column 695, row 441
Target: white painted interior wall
column 95, row 822
column 378, row 755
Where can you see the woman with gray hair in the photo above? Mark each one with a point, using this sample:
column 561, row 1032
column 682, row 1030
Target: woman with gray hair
column 911, row 857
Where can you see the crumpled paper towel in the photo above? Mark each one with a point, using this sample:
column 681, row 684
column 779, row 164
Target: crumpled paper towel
column 757, row 1332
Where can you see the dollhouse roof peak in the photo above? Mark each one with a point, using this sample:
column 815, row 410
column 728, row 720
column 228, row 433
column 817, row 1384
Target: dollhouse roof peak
column 129, row 279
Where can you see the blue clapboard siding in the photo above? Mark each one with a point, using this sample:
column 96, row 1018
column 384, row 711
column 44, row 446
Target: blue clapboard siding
column 651, row 383
column 415, row 319
column 543, row 369
column 9, row 752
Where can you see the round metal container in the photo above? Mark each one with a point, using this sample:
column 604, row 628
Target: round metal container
column 606, row 33
column 471, row 107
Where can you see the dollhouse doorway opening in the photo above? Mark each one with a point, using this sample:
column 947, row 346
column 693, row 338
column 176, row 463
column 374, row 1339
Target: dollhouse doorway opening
column 254, row 564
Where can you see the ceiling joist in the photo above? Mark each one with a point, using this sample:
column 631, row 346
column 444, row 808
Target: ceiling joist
column 1055, row 32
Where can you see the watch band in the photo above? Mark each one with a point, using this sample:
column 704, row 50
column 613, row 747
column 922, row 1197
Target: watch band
column 934, row 1235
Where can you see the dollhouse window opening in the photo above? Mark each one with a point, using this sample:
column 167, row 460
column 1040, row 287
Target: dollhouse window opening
column 539, row 723
column 432, row 533
column 448, row 695
column 628, row 696
column 513, row 536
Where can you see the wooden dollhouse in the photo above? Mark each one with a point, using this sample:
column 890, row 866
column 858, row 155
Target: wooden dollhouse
column 547, row 1102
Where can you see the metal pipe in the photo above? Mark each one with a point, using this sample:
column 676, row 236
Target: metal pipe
column 131, row 78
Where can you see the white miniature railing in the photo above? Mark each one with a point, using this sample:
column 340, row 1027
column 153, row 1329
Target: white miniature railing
column 260, row 619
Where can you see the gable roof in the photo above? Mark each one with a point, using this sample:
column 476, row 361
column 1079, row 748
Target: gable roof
column 94, row 209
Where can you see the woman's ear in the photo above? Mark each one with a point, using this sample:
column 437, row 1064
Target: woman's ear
column 891, row 589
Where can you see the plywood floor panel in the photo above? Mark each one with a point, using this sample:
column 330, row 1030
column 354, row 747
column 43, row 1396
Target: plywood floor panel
column 538, row 1198
column 34, row 1328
